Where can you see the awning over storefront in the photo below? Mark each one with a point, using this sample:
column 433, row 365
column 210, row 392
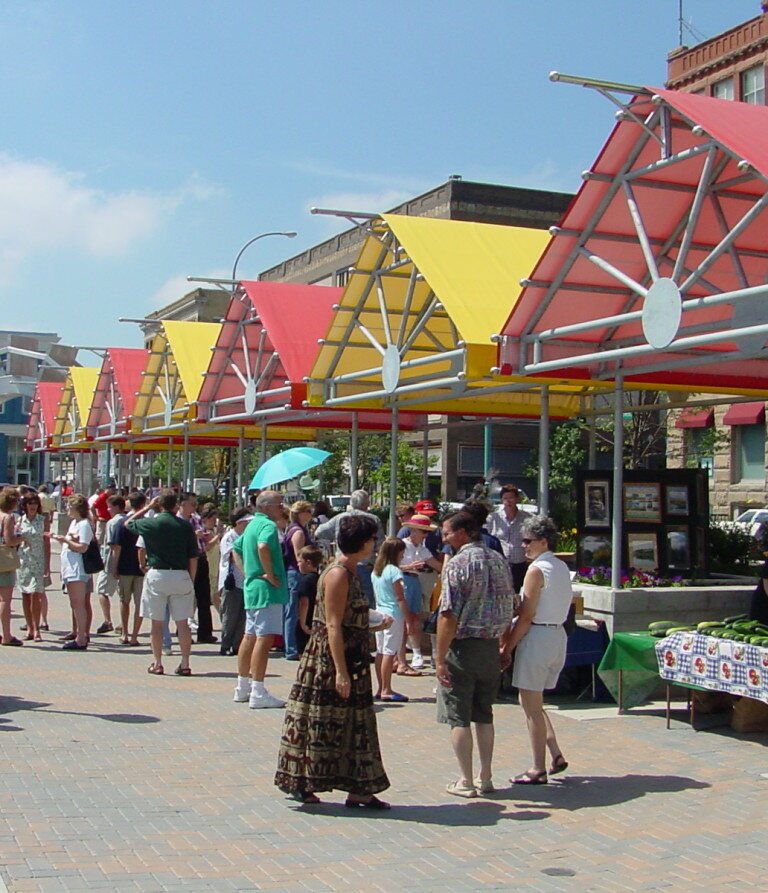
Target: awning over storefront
column 745, row 414
column 695, row 417
column 116, row 389
column 42, row 415
column 263, row 355
column 658, row 270
column 415, row 321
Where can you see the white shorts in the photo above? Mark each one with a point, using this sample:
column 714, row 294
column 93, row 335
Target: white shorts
column 171, row 589
column 539, row 658
column 388, row 641
column 264, row 621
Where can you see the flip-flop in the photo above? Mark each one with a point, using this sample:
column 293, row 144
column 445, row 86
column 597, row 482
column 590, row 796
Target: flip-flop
column 373, row 803
column 461, row 790
column 155, row 670
column 408, row 672
column 559, row 764
column 395, row 698
column 530, row 778
column 13, row 641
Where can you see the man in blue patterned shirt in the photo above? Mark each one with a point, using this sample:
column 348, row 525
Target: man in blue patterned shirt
column 475, row 609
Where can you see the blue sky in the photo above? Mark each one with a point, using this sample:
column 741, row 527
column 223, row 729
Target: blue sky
column 142, row 142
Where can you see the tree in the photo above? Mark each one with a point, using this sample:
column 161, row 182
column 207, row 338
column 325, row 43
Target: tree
column 645, row 430
column 567, row 455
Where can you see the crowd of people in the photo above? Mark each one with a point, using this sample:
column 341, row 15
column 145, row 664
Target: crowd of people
column 485, row 583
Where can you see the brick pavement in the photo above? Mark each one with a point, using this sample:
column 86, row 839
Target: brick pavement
column 116, row 780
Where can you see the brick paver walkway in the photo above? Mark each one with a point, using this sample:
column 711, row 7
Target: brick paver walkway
column 117, row 780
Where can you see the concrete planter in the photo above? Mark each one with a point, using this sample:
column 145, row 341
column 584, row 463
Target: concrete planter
column 624, row 610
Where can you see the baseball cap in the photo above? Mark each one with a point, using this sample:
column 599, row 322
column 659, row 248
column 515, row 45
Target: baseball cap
column 426, row 507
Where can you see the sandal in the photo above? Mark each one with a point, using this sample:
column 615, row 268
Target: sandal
column 156, row 669
column 461, row 790
column 13, row 641
column 530, row 777
column 183, row 671
column 559, row 764
column 38, row 638
column 306, row 799
column 372, row 803
column 133, row 644
column 408, row 672
column 394, row 698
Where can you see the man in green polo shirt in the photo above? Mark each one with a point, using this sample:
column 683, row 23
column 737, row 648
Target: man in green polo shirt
column 258, row 555
column 171, row 547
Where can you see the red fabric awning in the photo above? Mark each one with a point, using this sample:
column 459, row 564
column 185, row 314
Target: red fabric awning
column 695, row 417
column 745, row 414
column 119, row 380
column 42, row 415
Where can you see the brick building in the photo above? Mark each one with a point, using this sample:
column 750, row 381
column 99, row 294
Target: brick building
column 728, row 439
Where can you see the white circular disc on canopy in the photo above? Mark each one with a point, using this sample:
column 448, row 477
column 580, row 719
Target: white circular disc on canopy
column 250, row 396
column 662, row 312
column 390, row 368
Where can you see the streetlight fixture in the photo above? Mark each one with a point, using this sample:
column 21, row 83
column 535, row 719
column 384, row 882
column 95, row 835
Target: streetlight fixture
column 288, row 235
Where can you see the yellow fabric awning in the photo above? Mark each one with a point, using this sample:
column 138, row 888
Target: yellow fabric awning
column 437, row 290
column 74, row 406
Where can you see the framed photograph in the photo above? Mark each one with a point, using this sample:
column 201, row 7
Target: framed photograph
column 596, row 502
column 642, row 502
column 678, row 547
column 677, row 500
column 642, row 551
column 595, row 550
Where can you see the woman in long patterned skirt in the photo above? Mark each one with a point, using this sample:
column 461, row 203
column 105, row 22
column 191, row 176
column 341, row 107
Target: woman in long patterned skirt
column 330, row 740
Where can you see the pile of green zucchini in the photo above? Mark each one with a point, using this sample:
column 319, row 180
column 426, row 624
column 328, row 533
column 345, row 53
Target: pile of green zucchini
column 735, row 629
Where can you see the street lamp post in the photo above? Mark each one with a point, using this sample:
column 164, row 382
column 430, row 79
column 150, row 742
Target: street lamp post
column 288, row 235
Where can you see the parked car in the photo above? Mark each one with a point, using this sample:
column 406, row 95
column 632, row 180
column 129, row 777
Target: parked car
column 752, row 520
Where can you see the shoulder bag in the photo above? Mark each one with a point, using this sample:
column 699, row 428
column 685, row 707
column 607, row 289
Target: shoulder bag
column 92, row 560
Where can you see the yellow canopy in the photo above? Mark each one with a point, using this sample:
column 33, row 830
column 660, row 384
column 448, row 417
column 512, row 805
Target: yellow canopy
column 69, row 429
column 427, row 295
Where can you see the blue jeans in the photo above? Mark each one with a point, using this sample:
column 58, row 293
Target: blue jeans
column 364, row 574
column 291, row 614
column 167, row 640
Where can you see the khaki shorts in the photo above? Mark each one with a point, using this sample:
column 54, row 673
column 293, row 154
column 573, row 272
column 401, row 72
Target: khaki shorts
column 539, row 658
column 106, row 584
column 167, row 589
column 130, row 588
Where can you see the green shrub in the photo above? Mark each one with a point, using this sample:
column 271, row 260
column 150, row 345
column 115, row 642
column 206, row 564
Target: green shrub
column 730, row 548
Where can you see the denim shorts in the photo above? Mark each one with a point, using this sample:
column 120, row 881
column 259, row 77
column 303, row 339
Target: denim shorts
column 264, row 621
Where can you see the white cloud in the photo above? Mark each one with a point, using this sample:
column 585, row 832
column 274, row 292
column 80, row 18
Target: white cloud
column 43, row 208
column 174, row 288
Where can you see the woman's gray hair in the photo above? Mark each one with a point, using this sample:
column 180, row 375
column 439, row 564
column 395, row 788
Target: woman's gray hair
column 540, row 527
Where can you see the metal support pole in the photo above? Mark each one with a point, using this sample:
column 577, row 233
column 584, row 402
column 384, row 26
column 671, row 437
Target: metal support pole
column 108, row 464
column 393, row 473
column 592, row 456
column 263, row 448
column 130, row 469
column 353, row 448
column 543, row 496
column 185, row 462
column 151, row 472
column 618, row 481
column 425, row 464
column 231, row 476
column 240, row 451
column 487, row 449
column 169, row 475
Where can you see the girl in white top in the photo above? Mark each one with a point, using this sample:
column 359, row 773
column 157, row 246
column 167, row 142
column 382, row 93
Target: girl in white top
column 417, row 562
column 74, row 544
column 539, row 636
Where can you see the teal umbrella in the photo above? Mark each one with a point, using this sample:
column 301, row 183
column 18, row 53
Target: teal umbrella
column 287, row 465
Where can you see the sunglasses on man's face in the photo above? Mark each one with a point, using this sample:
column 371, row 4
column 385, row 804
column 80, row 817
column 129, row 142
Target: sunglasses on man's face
column 526, row 542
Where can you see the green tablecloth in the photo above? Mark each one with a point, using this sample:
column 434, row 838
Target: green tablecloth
column 629, row 668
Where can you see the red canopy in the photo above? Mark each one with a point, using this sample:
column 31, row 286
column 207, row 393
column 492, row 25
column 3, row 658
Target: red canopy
column 115, row 394
column 694, row 417
column 264, row 353
column 42, row 415
column 679, row 192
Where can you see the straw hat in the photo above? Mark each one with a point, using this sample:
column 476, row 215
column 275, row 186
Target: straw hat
column 420, row 522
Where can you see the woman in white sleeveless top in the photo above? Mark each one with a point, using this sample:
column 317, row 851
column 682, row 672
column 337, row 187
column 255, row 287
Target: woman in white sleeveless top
column 539, row 637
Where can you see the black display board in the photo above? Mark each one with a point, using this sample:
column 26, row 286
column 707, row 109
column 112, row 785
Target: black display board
column 665, row 519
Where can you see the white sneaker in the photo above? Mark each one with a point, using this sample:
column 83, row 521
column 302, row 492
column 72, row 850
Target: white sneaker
column 167, row 650
column 192, row 625
column 264, row 700
column 418, row 662
column 242, row 693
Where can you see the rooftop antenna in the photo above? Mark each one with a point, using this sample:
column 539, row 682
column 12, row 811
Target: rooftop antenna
column 682, row 25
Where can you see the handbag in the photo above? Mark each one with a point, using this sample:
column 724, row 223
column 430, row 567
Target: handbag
column 9, row 559
column 92, row 560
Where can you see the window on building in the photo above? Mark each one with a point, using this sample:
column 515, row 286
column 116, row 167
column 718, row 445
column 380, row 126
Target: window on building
column 700, row 449
column 723, row 89
column 342, row 277
column 753, row 85
column 749, row 452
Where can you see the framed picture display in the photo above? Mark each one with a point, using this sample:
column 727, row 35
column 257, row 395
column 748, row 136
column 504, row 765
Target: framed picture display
column 677, row 500
column 596, row 502
column 678, row 547
column 642, row 502
column 642, row 551
column 595, row 550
